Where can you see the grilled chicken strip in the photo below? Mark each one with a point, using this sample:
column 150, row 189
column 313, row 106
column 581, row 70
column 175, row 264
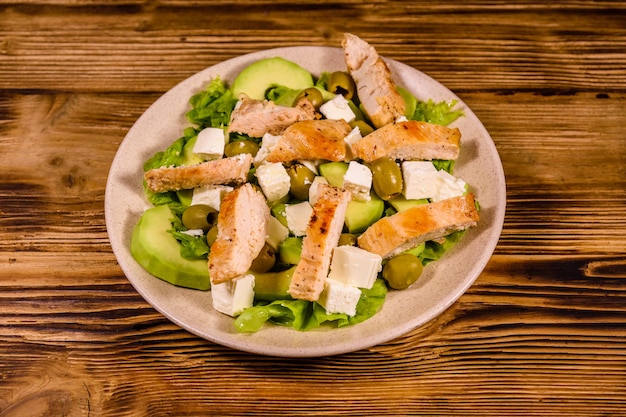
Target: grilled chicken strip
column 242, row 225
column 311, row 139
column 233, row 170
column 258, row 117
column 322, row 236
column 375, row 87
column 410, row 140
column 405, row 230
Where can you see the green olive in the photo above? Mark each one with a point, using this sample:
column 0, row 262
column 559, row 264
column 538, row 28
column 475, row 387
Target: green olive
column 386, row 178
column 265, row 260
column 312, row 94
column 211, row 236
column 241, row 146
column 301, row 180
column 364, row 128
column 341, row 82
column 402, row 270
column 199, row 216
column 348, row 239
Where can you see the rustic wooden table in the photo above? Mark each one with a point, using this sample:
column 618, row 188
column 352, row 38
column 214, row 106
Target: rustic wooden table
column 542, row 332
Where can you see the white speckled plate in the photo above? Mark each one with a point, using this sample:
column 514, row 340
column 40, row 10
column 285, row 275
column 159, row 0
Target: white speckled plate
column 441, row 284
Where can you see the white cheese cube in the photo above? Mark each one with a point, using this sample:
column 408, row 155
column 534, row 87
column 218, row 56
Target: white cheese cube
column 338, row 297
column 401, row 119
column 211, row 195
column 353, row 137
column 193, row 232
column 274, row 180
column 420, row 179
column 268, row 143
column 358, row 180
column 210, row 143
column 355, row 266
column 232, row 297
column 314, row 189
column 276, row 232
column 298, row 216
column 449, row 186
column 338, row 108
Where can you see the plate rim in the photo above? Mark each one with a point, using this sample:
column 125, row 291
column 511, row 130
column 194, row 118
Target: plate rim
column 242, row 342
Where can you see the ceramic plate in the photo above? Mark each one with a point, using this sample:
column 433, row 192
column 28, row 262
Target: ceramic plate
column 441, row 284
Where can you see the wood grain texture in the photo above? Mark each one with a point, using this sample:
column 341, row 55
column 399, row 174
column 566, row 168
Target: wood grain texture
column 542, row 332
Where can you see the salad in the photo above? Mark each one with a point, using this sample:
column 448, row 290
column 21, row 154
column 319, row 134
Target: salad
column 175, row 238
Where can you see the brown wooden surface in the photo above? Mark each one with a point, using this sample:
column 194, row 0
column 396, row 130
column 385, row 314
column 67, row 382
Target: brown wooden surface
column 542, row 332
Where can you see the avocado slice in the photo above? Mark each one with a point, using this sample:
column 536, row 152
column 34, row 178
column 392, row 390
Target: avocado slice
column 270, row 286
column 189, row 156
column 362, row 214
column 257, row 77
column 158, row 251
column 400, row 203
column 290, row 249
column 334, row 172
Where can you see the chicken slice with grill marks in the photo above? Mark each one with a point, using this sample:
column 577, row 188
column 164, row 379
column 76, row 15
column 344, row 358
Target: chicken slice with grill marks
column 311, row 140
column 375, row 86
column 258, row 117
column 242, row 226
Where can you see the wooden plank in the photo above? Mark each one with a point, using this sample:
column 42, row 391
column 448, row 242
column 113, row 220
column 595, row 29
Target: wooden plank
column 146, row 48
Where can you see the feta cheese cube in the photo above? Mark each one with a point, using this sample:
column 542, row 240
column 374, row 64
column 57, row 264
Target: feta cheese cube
column 232, row 297
column 354, row 136
column 268, row 143
column 338, row 108
column 210, row 143
column 211, row 195
column 338, row 297
column 420, row 179
column 314, row 189
column 401, row 119
column 193, row 232
column 355, row 266
column 276, row 232
column 358, row 180
column 298, row 216
column 450, row 186
column 274, row 180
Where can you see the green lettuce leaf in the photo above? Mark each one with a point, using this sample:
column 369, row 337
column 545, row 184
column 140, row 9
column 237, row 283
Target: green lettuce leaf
column 434, row 251
column 212, row 106
column 303, row 315
column 440, row 113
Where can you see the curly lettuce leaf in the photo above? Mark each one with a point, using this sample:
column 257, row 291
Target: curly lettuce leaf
column 441, row 113
column 435, row 250
column 212, row 106
column 303, row 315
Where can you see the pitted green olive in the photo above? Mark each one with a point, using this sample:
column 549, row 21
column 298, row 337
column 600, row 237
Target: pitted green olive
column 301, row 179
column 241, row 146
column 348, row 239
column 211, row 236
column 199, row 216
column 265, row 260
column 402, row 270
column 386, row 178
column 312, row 94
column 341, row 82
column 364, row 128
